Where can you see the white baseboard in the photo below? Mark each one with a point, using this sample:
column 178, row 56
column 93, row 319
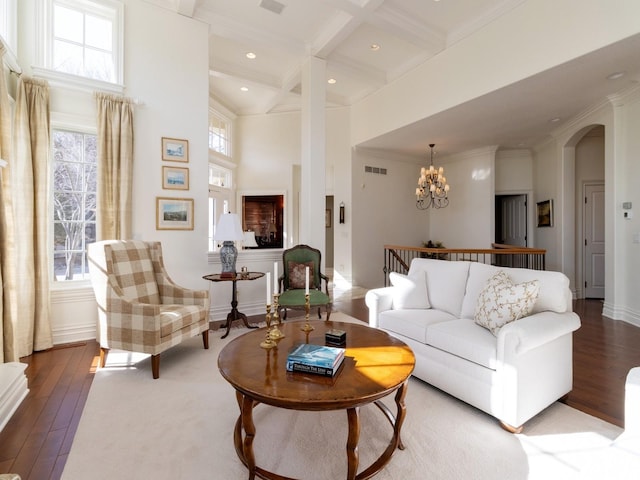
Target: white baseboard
column 621, row 313
column 13, row 389
column 77, row 333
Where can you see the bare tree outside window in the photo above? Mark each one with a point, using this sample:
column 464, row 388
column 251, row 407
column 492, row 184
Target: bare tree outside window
column 74, row 201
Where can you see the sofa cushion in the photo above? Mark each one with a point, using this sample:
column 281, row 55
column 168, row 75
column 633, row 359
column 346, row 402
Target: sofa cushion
column 412, row 323
column 446, row 282
column 409, row 291
column 554, row 294
column 463, row 338
column 501, row 302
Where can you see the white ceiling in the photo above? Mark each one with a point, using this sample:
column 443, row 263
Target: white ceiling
column 409, row 32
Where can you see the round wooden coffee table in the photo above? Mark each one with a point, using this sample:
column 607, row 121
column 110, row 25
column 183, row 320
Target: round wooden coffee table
column 376, row 365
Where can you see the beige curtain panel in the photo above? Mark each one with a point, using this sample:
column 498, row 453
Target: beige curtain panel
column 115, row 166
column 25, row 253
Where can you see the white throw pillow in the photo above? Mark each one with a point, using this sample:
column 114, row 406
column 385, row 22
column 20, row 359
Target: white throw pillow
column 409, row 291
column 501, row 302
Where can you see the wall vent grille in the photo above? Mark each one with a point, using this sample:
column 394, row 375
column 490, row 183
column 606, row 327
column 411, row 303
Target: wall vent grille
column 376, row 170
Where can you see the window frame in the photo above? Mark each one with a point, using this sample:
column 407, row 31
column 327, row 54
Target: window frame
column 113, row 9
column 73, row 127
column 227, row 140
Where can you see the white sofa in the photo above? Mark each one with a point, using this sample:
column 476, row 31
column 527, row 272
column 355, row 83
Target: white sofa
column 512, row 375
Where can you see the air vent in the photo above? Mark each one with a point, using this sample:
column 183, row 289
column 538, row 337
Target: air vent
column 272, row 6
column 377, row 170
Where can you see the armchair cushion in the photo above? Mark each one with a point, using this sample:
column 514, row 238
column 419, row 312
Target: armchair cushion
column 133, row 270
column 297, row 274
column 295, row 297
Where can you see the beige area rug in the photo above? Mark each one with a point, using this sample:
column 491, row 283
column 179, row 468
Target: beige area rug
column 181, row 427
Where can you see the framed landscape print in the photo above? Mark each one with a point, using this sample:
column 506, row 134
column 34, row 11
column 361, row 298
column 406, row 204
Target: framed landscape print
column 545, row 213
column 175, row 178
column 175, row 150
column 174, row 213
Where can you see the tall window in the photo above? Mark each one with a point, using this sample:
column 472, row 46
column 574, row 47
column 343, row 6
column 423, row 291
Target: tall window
column 84, row 38
column 74, row 202
column 219, row 134
column 8, row 22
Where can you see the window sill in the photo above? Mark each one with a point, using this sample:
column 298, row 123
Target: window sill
column 76, row 82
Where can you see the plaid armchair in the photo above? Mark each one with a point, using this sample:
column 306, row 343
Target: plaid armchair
column 292, row 281
column 140, row 309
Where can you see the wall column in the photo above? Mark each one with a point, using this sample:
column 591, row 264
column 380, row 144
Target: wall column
column 312, row 188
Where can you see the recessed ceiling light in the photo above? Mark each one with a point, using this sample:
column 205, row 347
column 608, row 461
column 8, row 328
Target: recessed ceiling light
column 332, row 81
column 615, row 75
column 244, row 89
column 251, row 55
column 375, row 47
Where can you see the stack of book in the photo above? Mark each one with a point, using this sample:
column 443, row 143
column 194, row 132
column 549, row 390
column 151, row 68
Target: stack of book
column 317, row 359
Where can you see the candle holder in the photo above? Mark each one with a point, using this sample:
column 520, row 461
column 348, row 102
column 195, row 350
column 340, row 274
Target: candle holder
column 307, row 326
column 268, row 342
column 276, row 333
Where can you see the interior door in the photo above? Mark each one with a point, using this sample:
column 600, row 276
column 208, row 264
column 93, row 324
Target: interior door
column 511, row 221
column 594, row 241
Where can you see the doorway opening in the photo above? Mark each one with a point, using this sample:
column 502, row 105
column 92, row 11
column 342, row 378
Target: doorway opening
column 511, row 220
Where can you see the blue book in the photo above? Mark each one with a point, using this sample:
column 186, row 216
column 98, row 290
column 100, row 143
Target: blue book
column 315, row 355
column 305, row 368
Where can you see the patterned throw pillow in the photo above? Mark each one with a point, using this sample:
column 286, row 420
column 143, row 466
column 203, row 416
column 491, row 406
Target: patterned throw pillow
column 297, row 274
column 501, row 302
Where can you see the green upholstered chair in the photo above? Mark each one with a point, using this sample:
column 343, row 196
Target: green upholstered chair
column 292, row 281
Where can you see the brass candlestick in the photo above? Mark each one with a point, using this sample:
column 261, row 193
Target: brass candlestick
column 276, row 333
column 268, row 342
column 307, row 326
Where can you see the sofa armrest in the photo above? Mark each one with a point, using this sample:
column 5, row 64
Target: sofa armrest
column 378, row 300
column 535, row 330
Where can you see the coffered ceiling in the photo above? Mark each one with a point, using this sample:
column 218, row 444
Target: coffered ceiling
column 369, row 43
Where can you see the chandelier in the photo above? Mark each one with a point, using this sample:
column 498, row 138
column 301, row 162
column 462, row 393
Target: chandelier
column 433, row 189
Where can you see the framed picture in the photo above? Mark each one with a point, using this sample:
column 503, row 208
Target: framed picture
column 545, row 213
column 327, row 218
column 175, row 150
column 174, row 213
column 175, row 178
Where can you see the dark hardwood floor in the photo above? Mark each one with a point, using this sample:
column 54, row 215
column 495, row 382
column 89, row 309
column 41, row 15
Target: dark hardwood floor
column 36, row 441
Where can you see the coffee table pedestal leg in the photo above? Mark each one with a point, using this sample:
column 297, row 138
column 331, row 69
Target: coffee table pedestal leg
column 353, row 415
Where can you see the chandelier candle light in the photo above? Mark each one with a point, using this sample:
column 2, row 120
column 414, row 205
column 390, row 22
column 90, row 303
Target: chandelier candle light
column 433, row 189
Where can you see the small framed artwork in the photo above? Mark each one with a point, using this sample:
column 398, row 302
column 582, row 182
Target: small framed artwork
column 174, row 213
column 175, row 150
column 327, row 218
column 175, row 178
column 545, row 213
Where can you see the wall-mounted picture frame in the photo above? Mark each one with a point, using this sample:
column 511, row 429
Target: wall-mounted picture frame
column 545, row 213
column 175, row 178
column 327, row 218
column 175, row 149
column 174, row 213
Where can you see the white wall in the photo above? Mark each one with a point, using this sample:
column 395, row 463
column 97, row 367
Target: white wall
column 469, row 220
column 384, row 212
column 169, row 75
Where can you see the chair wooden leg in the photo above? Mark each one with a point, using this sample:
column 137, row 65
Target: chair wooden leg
column 103, row 356
column 205, row 339
column 328, row 312
column 155, row 365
